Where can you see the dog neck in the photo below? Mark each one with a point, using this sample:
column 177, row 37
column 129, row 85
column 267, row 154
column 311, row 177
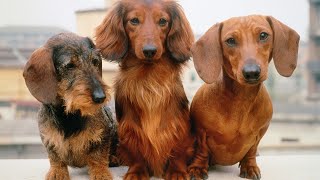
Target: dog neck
column 68, row 124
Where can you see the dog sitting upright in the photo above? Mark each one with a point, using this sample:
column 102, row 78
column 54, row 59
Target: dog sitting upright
column 75, row 127
column 233, row 110
column 151, row 41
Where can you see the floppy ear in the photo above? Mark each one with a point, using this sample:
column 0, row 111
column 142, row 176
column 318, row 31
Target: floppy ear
column 180, row 36
column 285, row 47
column 207, row 54
column 89, row 42
column 40, row 77
column 110, row 35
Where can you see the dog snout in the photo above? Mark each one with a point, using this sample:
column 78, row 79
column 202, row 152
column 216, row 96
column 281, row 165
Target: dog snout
column 149, row 51
column 98, row 96
column 251, row 72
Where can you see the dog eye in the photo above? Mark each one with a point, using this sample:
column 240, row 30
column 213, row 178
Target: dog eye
column 96, row 62
column 263, row 36
column 231, row 42
column 70, row 66
column 134, row 21
column 163, row 22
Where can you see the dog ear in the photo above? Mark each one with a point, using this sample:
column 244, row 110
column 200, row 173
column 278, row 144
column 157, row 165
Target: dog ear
column 180, row 36
column 110, row 35
column 207, row 54
column 285, row 47
column 89, row 42
column 40, row 77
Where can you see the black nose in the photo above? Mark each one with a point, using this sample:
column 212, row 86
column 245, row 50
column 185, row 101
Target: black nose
column 251, row 72
column 149, row 51
column 98, row 96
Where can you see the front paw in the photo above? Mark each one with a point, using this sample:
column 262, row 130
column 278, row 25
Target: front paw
column 176, row 176
column 136, row 176
column 57, row 174
column 250, row 172
column 197, row 173
column 100, row 174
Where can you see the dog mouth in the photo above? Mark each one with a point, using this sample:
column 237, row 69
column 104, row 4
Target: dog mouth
column 252, row 81
column 148, row 61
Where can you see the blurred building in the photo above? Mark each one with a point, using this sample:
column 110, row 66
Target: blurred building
column 16, row 45
column 291, row 88
column 314, row 51
column 87, row 21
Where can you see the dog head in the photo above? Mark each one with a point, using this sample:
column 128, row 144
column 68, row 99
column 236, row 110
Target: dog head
column 244, row 46
column 67, row 70
column 146, row 29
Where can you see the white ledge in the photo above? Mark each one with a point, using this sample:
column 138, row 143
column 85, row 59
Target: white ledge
column 293, row 167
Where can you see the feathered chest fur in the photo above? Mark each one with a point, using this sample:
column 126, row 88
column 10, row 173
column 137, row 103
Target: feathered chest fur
column 152, row 110
column 149, row 87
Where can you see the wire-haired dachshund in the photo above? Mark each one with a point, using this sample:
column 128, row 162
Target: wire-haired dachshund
column 232, row 112
column 151, row 41
column 75, row 127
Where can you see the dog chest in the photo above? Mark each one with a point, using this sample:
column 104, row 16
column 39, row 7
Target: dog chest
column 228, row 149
column 147, row 92
column 74, row 149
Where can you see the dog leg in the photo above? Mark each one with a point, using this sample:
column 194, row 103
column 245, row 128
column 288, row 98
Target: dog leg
column 200, row 164
column 248, row 165
column 58, row 170
column 137, row 171
column 98, row 165
column 177, row 167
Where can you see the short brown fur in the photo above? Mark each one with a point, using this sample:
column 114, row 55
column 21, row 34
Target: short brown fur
column 232, row 113
column 65, row 76
column 151, row 105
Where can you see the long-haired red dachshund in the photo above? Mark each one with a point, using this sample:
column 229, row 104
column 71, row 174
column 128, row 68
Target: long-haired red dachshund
column 151, row 41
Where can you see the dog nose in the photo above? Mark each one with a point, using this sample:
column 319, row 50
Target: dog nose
column 251, row 72
column 149, row 51
column 98, row 96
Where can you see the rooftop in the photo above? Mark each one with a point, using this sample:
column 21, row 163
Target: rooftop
column 14, row 57
column 91, row 10
column 18, row 42
column 31, row 29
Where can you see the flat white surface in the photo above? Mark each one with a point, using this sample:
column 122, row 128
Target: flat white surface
column 284, row 167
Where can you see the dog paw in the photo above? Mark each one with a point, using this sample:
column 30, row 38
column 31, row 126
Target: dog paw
column 100, row 173
column 250, row 172
column 198, row 173
column 57, row 174
column 176, row 176
column 101, row 176
column 136, row 176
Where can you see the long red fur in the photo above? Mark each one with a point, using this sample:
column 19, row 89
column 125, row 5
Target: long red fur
column 151, row 105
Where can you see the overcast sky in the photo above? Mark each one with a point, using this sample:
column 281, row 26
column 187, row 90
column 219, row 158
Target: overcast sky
column 201, row 13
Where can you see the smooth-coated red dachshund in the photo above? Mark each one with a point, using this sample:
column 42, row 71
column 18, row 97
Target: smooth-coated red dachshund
column 151, row 41
column 232, row 112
